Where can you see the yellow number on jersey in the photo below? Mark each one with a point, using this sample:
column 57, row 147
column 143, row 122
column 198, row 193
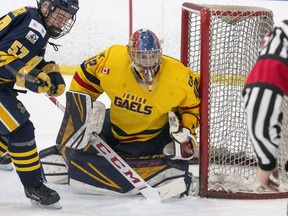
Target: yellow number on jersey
column 17, row 49
column 4, row 22
column 7, row 19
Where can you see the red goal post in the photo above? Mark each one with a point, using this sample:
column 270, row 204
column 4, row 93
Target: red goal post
column 222, row 43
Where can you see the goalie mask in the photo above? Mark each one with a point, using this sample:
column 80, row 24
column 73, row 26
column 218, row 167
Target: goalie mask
column 145, row 52
column 58, row 16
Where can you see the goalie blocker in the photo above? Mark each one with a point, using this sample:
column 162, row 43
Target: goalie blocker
column 81, row 118
column 76, row 162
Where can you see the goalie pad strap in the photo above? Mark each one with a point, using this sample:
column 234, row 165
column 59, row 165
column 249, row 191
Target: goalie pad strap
column 53, row 166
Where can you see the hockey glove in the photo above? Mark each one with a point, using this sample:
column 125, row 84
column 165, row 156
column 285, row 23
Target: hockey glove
column 182, row 145
column 183, row 142
column 58, row 83
column 190, row 121
column 33, row 79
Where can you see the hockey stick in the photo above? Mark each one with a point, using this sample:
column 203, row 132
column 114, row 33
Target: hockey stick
column 56, row 102
column 32, row 63
column 28, row 78
column 164, row 192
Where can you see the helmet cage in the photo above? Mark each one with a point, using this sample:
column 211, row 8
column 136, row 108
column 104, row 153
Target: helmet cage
column 145, row 52
column 146, row 59
column 146, row 63
column 60, row 17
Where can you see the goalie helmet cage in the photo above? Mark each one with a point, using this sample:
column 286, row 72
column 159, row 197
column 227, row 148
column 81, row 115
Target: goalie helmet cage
column 222, row 43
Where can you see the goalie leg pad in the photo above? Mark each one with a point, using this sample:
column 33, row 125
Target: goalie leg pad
column 54, row 169
column 81, row 118
column 97, row 174
column 93, row 174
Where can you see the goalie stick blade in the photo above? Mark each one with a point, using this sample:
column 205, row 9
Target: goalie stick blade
column 172, row 189
column 150, row 193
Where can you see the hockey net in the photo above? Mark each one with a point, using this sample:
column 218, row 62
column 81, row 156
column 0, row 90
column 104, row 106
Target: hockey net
column 222, row 43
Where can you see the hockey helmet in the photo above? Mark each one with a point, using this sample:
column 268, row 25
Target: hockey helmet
column 145, row 52
column 58, row 16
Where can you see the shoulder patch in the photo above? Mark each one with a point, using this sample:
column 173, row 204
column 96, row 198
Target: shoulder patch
column 32, row 37
column 38, row 27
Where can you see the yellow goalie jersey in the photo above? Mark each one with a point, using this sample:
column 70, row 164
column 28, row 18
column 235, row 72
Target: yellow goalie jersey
column 137, row 115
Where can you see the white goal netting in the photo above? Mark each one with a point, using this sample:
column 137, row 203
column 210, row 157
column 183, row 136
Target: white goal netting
column 221, row 43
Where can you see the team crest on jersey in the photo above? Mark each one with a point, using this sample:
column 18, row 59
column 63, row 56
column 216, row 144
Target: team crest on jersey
column 133, row 103
column 105, row 70
column 32, row 37
column 38, row 27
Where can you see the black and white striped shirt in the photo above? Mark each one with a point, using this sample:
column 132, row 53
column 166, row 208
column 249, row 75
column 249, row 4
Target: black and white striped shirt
column 263, row 93
column 275, row 44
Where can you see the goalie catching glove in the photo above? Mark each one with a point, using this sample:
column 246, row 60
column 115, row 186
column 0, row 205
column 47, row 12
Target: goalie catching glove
column 183, row 142
column 58, row 83
column 38, row 81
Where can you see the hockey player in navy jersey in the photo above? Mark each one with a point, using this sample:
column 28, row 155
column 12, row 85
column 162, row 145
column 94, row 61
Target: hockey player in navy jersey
column 265, row 89
column 24, row 34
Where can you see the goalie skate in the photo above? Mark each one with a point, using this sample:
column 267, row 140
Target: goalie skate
column 6, row 163
column 44, row 197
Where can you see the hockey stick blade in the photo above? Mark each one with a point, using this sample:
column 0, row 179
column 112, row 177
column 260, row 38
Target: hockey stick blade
column 172, row 189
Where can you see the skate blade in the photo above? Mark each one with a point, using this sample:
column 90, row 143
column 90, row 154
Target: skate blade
column 7, row 167
column 56, row 205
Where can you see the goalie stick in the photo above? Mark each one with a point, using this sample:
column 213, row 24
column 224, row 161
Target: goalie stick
column 169, row 190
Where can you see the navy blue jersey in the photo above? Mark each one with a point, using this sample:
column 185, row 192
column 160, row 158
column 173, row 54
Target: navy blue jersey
column 22, row 37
